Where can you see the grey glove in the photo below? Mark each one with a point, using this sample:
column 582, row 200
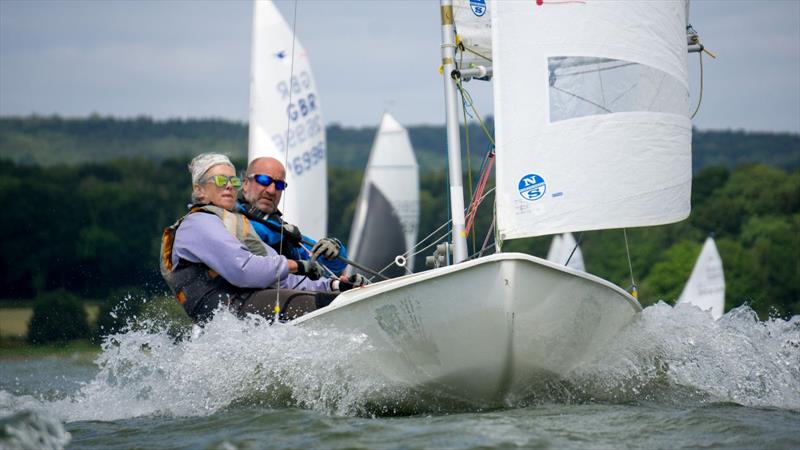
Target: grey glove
column 358, row 280
column 327, row 248
column 353, row 281
column 310, row 269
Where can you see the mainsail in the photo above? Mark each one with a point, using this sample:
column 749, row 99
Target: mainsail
column 706, row 286
column 565, row 251
column 387, row 213
column 286, row 119
column 591, row 104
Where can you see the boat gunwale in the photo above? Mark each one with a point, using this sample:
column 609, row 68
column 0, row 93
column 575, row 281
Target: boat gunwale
column 355, row 295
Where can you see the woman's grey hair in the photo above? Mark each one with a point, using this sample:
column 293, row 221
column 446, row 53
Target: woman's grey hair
column 200, row 165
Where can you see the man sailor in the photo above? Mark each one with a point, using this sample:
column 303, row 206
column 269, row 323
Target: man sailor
column 264, row 183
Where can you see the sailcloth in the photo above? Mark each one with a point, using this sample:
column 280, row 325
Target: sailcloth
column 286, row 118
column 591, row 104
column 562, row 247
column 473, row 21
column 387, row 213
column 706, row 286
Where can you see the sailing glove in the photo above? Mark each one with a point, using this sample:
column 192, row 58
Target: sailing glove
column 292, row 233
column 310, row 269
column 353, row 281
column 327, row 248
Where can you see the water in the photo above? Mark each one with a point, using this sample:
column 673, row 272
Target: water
column 673, row 379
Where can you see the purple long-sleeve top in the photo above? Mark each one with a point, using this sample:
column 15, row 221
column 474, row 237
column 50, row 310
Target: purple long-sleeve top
column 203, row 238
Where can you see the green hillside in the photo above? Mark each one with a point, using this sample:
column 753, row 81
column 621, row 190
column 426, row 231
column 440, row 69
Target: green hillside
column 91, row 197
column 48, row 141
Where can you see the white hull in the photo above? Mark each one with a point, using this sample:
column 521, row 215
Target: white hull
column 481, row 332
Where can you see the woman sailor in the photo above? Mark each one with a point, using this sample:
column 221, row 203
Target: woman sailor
column 212, row 256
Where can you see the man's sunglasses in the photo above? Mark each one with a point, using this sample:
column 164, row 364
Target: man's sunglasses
column 266, row 180
column 222, row 181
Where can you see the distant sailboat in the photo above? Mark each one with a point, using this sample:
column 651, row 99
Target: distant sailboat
column 387, row 214
column 706, row 286
column 561, row 251
column 286, row 119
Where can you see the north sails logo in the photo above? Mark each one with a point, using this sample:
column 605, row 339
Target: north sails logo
column 478, row 7
column 532, row 187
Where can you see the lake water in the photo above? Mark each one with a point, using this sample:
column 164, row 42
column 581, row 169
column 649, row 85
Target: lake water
column 673, row 379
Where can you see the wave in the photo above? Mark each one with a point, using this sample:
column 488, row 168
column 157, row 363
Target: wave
column 673, row 355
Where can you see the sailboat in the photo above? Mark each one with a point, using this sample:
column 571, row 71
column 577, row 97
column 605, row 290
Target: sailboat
column 387, row 213
column 286, row 118
column 706, row 286
column 592, row 131
column 564, row 250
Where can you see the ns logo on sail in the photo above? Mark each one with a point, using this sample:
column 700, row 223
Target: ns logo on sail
column 532, row 187
column 478, row 7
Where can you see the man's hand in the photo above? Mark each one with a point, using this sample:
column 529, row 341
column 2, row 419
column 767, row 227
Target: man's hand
column 291, row 232
column 327, row 248
column 353, row 281
column 310, row 269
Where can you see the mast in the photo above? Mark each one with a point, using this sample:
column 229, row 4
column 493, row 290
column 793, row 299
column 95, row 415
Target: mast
column 453, row 138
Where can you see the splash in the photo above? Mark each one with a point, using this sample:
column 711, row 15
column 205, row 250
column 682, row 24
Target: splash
column 668, row 355
column 24, row 425
column 677, row 353
column 230, row 362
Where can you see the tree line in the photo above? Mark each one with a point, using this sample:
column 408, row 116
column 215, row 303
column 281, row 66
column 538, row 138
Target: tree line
column 53, row 140
column 94, row 230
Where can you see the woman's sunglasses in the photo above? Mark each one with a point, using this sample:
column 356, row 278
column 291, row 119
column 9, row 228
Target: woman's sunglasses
column 222, row 181
column 266, row 180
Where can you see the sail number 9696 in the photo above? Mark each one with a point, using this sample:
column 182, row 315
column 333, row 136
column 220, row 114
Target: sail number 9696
column 307, row 160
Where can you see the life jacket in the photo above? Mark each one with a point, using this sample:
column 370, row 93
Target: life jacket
column 286, row 241
column 269, row 227
column 197, row 287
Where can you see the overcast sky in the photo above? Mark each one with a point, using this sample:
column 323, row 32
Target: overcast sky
column 188, row 58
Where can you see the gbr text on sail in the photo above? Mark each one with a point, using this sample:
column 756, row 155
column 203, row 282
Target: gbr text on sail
column 303, row 138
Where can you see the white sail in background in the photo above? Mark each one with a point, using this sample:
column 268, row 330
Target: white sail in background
column 591, row 103
column 286, row 119
column 706, row 286
column 473, row 21
column 387, row 213
column 562, row 247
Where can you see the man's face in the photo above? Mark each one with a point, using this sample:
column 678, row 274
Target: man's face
column 265, row 198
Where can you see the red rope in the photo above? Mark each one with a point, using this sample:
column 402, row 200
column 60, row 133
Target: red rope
column 476, row 200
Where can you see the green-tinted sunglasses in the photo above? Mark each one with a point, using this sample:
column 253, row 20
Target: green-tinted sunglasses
column 222, row 181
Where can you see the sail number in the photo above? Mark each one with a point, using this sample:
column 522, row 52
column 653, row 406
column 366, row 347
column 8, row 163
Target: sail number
column 307, row 160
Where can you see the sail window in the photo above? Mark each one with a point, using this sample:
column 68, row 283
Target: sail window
column 586, row 86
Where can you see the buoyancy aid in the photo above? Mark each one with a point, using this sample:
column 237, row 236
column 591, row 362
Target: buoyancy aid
column 195, row 284
column 285, row 238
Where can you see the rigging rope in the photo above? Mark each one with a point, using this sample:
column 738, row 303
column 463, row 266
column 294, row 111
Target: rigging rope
column 700, row 95
column 486, row 170
column 634, row 289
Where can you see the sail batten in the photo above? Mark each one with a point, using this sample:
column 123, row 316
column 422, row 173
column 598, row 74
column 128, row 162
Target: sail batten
column 592, row 125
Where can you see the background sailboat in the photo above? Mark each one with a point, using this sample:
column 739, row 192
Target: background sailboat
column 563, row 248
column 286, row 118
column 387, row 214
column 706, row 286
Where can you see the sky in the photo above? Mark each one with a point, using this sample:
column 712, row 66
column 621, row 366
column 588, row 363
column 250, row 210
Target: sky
column 191, row 59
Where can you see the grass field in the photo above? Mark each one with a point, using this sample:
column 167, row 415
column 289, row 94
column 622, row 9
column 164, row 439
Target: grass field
column 13, row 348
column 14, row 321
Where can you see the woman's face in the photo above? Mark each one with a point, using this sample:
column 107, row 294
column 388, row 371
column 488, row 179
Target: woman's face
column 208, row 192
